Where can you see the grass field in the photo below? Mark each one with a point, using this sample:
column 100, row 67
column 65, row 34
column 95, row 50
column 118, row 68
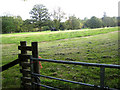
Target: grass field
column 91, row 45
column 51, row 36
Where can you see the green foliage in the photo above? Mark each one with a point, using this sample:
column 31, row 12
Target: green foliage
column 11, row 24
column 45, row 28
column 28, row 26
column 8, row 24
column 18, row 22
column 109, row 22
column 56, row 24
column 63, row 26
column 94, row 22
column 73, row 23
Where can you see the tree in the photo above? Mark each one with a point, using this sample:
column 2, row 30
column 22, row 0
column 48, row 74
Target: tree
column 84, row 22
column 63, row 26
column 18, row 22
column 40, row 15
column 73, row 23
column 8, row 24
column 94, row 22
column 56, row 24
column 11, row 24
column 109, row 21
column 57, row 15
column 27, row 26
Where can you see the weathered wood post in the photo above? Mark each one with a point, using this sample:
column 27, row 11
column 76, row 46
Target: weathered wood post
column 36, row 63
column 23, row 57
column 23, row 43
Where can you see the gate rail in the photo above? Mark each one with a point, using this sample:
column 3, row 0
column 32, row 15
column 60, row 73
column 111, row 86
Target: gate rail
column 102, row 72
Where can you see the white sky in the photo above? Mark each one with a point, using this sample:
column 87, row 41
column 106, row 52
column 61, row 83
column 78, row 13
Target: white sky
column 80, row 8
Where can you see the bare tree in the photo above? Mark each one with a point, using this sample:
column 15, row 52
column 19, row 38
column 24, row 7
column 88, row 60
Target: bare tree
column 58, row 14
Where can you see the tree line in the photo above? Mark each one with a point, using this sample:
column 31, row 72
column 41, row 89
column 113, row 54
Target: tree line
column 42, row 20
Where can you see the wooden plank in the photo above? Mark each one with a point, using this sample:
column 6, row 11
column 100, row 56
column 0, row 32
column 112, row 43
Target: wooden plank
column 23, row 56
column 27, row 48
column 11, row 64
column 27, row 86
column 25, row 64
column 23, row 43
column 26, row 74
column 26, row 79
column 27, row 71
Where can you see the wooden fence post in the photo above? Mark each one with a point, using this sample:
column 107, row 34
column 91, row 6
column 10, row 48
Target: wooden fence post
column 23, row 57
column 36, row 63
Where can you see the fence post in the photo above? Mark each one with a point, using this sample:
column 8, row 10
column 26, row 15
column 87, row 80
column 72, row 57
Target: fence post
column 102, row 76
column 36, row 63
column 23, row 43
column 25, row 65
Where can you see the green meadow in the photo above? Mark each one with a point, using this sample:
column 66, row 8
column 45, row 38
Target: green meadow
column 87, row 45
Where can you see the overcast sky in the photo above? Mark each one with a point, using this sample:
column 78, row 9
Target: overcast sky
column 80, row 8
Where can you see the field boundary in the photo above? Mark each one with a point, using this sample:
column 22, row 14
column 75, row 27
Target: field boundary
column 31, row 71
